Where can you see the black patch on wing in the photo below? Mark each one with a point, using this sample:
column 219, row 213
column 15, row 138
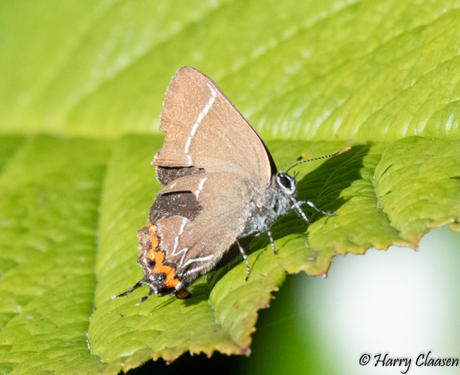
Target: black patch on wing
column 166, row 174
column 178, row 203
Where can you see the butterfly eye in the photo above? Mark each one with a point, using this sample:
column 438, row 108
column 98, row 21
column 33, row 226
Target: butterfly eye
column 285, row 181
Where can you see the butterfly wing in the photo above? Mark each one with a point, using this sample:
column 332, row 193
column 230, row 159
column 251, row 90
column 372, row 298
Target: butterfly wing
column 212, row 163
column 204, row 130
column 195, row 220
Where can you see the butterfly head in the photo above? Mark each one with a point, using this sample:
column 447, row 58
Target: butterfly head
column 287, row 184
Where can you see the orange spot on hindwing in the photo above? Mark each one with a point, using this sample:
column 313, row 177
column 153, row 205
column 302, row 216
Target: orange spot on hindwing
column 155, row 254
column 171, row 279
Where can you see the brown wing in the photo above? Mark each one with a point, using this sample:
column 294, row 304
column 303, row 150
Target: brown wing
column 203, row 129
column 193, row 242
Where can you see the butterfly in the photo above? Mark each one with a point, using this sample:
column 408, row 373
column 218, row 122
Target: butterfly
column 220, row 188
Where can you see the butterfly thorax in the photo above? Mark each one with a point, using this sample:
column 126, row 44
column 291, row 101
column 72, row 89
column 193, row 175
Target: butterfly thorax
column 270, row 203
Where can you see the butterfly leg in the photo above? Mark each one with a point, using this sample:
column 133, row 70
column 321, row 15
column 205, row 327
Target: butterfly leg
column 245, row 257
column 296, row 206
column 271, row 241
column 317, row 209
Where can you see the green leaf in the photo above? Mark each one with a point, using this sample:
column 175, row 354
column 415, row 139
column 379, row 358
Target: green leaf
column 48, row 214
column 381, row 76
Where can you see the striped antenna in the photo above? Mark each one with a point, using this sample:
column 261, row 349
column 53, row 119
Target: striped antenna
column 321, row 157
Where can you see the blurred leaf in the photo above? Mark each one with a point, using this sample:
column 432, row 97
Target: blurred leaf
column 379, row 75
column 337, row 69
column 10, row 144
